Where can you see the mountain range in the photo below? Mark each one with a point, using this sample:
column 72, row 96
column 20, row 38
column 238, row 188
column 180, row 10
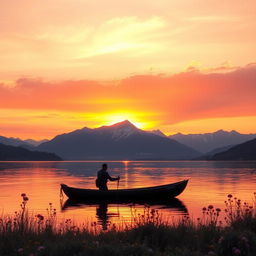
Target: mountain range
column 125, row 141
column 211, row 141
column 119, row 141
column 29, row 143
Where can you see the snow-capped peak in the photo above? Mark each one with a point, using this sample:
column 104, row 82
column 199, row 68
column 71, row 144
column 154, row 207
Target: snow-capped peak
column 123, row 129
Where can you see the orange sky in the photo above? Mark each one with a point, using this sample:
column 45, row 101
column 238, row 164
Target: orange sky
column 180, row 65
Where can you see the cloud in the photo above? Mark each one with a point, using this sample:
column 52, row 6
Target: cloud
column 65, row 39
column 170, row 99
column 121, row 34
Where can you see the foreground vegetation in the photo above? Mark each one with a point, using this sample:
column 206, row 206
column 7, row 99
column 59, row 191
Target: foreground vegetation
column 148, row 234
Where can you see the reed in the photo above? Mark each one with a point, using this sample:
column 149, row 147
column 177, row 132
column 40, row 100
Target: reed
column 147, row 234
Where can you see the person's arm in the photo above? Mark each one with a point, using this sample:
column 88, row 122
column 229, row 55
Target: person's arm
column 113, row 179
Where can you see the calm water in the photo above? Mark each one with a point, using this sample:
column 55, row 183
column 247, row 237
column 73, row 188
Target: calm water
column 209, row 183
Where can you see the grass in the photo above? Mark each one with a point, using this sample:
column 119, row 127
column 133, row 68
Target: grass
column 148, row 234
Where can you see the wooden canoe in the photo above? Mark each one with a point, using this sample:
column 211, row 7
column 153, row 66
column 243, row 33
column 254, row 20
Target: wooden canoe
column 165, row 191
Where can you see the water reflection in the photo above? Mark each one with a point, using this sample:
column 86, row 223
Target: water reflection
column 210, row 182
column 103, row 216
column 107, row 212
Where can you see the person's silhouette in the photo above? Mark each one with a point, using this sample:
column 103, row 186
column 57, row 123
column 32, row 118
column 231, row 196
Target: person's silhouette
column 103, row 177
column 102, row 215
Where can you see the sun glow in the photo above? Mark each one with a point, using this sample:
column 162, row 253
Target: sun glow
column 112, row 118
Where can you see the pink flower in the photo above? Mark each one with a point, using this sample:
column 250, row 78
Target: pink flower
column 236, row 251
column 20, row 250
column 40, row 217
column 221, row 240
column 40, row 248
column 244, row 239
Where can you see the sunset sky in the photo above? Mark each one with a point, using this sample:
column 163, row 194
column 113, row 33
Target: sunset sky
column 177, row 65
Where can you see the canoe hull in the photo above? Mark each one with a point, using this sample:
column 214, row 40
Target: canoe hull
column 165, row 191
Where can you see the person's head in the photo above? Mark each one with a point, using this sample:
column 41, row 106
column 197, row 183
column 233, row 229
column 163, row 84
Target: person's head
column 104, row 167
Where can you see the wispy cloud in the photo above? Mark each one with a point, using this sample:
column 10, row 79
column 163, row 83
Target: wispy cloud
column 160, row 99
column 76, row 39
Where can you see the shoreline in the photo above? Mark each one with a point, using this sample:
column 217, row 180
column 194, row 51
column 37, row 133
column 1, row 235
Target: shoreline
column 149, row 234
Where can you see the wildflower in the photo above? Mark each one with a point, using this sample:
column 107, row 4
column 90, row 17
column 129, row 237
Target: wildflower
column 210, row 207
column 218, row 209
column 229, row 196
column 40, row 217
column 221, row 240
column 204, row 209
column 20, row 250
column 244, row 239
column 23, row 194
column 40, row 248
column 25, row 198
column 236, row 251
column 150, row 250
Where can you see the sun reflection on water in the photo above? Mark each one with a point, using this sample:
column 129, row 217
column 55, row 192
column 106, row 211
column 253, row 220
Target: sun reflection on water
column 209, row 184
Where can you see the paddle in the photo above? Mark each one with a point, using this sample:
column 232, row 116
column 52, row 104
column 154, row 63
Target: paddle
column 117, row 185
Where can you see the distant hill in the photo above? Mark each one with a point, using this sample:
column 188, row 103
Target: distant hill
column 122, row 141
column 29, row 143
column 209, row 141
column 13, row 153
column 35, row 142
column 12, row 141
column 244, row 151
column 210, row 154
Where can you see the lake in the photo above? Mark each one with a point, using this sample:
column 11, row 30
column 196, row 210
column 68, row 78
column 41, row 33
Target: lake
column 209, row 183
